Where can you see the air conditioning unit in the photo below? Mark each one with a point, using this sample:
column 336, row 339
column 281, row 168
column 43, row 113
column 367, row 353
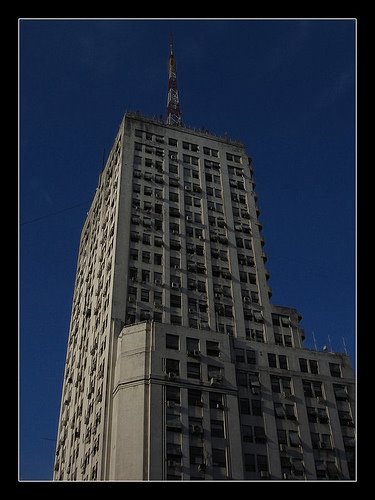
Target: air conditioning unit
column 246, row 299
column 323, row 446
column 188, row 218
column 196, row 353
column 264, row 474
column 202, row 467
column 216, row 380
column 171, row 463
column 320, row 400
column 131, row 298
column 217, row 295
column 200, row 238
column 287, row 395
column 192, row 310
column 219, row 406
column 133, row 278
column 197, row 429
column 158, row 305
column 158, row 282
column 175, row 285
column 171, row 404
column 283, row 447
column 285, row 475
column 171, row 375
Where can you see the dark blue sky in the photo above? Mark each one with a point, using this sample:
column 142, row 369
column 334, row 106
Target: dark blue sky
column 286, row 89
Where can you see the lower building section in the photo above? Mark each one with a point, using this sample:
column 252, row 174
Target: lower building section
column 190, row 404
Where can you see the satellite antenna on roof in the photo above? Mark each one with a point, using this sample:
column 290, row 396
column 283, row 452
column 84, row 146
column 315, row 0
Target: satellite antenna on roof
column 325, row 348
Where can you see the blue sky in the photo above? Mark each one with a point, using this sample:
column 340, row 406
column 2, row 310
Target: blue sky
column 286, row 89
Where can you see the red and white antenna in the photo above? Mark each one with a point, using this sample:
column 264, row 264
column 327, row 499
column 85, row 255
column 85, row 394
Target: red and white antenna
column 173, row 100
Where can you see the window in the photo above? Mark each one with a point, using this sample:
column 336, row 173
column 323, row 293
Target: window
column 218, row 458
column 172, row 392
column 147, row 191
column 173, row 169
column 146, row 239
column 213, row 371
column 244, row 406
column 247, row 434
column 172, row 341
column 145, row 276
column 259, row 435
column 144, row 315
column 243, row 276
column 341, row 392
column 216, row 400
column 312, row 389
column 294, row 439
column 172, row 366
column 312, row 414
column 272, row 360
column 158, row 279
column 308, row 365
column 194, row 397
column 145, row 295
column 217, row 179
column 157, row 259
column 249, row 462
column 241, row 378
column 283, row 362
column 176, row 320
column 197, row 218
column 251, row 357
column 239, row 355
column 146, row 257
column 262, row 463
column 175, row 262
column 196, row 455
column 212, row 348
column 172, row 142
column 176, row 301
column 282, row 436
column 335, row 370
column 173, row 422
column 133, row 254
column 194, row 370
column 158, row 316
column 256, row 407
column 173, row 196
column 217, row 428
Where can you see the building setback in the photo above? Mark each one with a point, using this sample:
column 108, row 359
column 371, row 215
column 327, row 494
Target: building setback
column 178, row 366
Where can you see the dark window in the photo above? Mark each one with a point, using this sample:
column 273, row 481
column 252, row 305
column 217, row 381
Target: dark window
column 196, row 455
column 176, row 320
column 256, row 407
column 216, row 400
column 172, row 142
column 157, row 259
column 212, row 348
column 172, row 341
column 241, row 378
column 247, row 434
column 146, row 257
column 240, row 355
column 272, row 360
column 217, row 428
column 313, row 366
column 259, row 435
column 262, row 463
column 251, row 357
column 194, row 397
column 249, row 462
column 172, row 366
column 283, row 362
column 145, row 276
column 218, row 458
column 244, row 406
column 173, row 169
column 335, row 370
column 176, row 301
column 173, row 393
column 145, row 295
column 194, row 370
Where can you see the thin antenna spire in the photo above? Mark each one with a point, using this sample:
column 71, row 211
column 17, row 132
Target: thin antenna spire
column 313, row 335
column 329, row 343
column 345, row 349
column 173, row 100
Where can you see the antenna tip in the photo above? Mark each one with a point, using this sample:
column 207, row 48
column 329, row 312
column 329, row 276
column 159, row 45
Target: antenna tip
column 171, row 44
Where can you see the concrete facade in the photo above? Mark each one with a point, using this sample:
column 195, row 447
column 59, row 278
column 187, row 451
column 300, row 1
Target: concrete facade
column 178, row 366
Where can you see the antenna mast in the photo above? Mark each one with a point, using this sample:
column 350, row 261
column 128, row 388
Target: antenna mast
column 173, row 100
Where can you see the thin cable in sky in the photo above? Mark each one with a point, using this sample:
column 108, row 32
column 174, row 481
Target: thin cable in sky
column 54, row 213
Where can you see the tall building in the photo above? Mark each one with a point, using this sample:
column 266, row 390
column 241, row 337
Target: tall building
column 178, row 366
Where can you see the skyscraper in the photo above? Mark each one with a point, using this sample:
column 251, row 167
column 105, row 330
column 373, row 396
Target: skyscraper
column 178, row 366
